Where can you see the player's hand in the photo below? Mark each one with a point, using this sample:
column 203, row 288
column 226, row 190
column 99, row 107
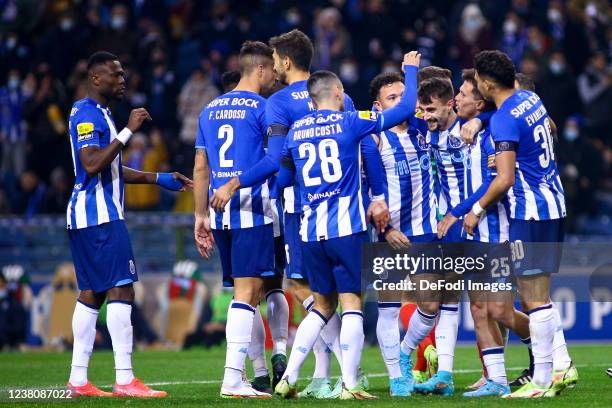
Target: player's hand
column 447, row 222
column 470, row 129
column 224, row 194
column 203, row 236
column 174, row 181
column 470, row 222
column 137, row 116
column 412, row 58
column 378, row 214
column 397, row 239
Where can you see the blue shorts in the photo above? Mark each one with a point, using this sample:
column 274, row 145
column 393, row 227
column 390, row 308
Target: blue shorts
column 454, row 233
column 496, row 258
column 246, row 252
column 293, row 247
column 542, row 257
column 334, row 265
column 103, row 257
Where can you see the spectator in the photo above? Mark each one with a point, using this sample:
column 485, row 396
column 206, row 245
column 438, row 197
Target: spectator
column 144, row 157
column 56, row 197
column 557, row 88
column 474, row 35
column 13, row 134
column 161, row 89
column 596, row 94
column 13, row 317
column 514, row 37
column 31, row 195
column 332, row 41
column 119, row 38
column 195, row 94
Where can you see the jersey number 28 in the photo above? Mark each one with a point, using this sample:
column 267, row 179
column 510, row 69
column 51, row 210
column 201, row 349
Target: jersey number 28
column 331, row 169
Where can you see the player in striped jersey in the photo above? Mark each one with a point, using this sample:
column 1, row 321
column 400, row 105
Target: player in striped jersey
column 229, row 142
column 492, row 230
column 322, row 149
column 99, row 239
column 408, row 190
column 528, row 178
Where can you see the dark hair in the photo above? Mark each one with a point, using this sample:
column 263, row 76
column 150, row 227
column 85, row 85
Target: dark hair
column 469, row 75
column 296, row 46
column 319, row 84
column 496, row 66
column 525, row 82
column 100, row 58
column 252, row 54
column 433, row 72
column 228, row 78
column 384, row 79
column 435, row 88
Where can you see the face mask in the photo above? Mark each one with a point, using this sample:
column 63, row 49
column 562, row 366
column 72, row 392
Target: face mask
column 13, row 83
column 118, row 22
column 348, row 73
column 3, row 293
column 472, row 24
column 11, row 43
column 293, row 18
column 570, row 134
column 556, row 67
column 554, row 15
column 66, row 24
column 510, row 27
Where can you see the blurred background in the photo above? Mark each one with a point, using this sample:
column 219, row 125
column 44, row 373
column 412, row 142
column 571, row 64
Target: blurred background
column 174, row 52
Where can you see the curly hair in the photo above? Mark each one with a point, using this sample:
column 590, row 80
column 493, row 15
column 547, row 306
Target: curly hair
column 495, row 66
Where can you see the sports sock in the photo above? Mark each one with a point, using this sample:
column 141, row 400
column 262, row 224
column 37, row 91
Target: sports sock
column 527, row 342
column 331, row 336
column 119, row 322
column 419, row 327
column 542, row 329
column 484, row 366
column 561, row 357
column 305, row 337
column 493, row 359
column 238, row 330
column 84, row 331
column 257, row 353
column 351, row 343
column 278, row 319
column 387, row 333
column 446, row 336
column 322, row 366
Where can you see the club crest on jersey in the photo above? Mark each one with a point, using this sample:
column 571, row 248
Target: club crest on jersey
column 454, row 141
column 368, row 115
column 422, row 141
column 132, row 267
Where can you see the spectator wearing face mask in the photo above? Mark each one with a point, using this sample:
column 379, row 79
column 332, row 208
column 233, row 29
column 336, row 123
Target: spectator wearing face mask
column 596, row 94
column 557, row 88
column 514, row 37
column 118, row 38
column 13, row 134
column 332, row 40
column 474, row 36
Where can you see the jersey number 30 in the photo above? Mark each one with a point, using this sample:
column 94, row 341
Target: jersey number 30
column 331, row 169
column 543, row 132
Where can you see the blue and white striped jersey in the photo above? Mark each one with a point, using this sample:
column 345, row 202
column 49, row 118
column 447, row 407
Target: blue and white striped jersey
column 232, row 129
column 449, row 152
column 99, row 199
column 408, row 179
column 284, row 108
column 493, row 226
column 537, row 193
column 324, row 147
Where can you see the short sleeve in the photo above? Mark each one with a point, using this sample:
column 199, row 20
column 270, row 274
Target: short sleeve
column 275, row 112
column 504, row 128
column 363, row 123
column 200, row 142
column 88, row 127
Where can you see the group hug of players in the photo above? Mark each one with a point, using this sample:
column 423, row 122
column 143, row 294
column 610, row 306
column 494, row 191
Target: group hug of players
column 287, row 198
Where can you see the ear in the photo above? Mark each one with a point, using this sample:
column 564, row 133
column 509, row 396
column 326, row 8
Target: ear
column 286, row 63
column 377, row 105
column 480, row 104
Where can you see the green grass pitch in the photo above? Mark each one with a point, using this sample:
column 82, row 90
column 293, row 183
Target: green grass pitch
column 192, row 379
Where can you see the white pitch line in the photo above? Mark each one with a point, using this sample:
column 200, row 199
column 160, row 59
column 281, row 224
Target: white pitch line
column 209, row 382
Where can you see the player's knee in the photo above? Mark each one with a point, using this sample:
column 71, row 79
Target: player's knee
column 500, row 312
column 430, row 308
column 123, row 293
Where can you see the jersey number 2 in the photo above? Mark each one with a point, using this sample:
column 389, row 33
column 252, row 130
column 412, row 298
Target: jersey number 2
column 328, row 152
column 225, row 132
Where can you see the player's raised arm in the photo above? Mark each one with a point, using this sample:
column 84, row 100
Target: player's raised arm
column 93, row 157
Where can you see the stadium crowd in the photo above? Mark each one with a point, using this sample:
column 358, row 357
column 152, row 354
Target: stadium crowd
column 176, row 50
